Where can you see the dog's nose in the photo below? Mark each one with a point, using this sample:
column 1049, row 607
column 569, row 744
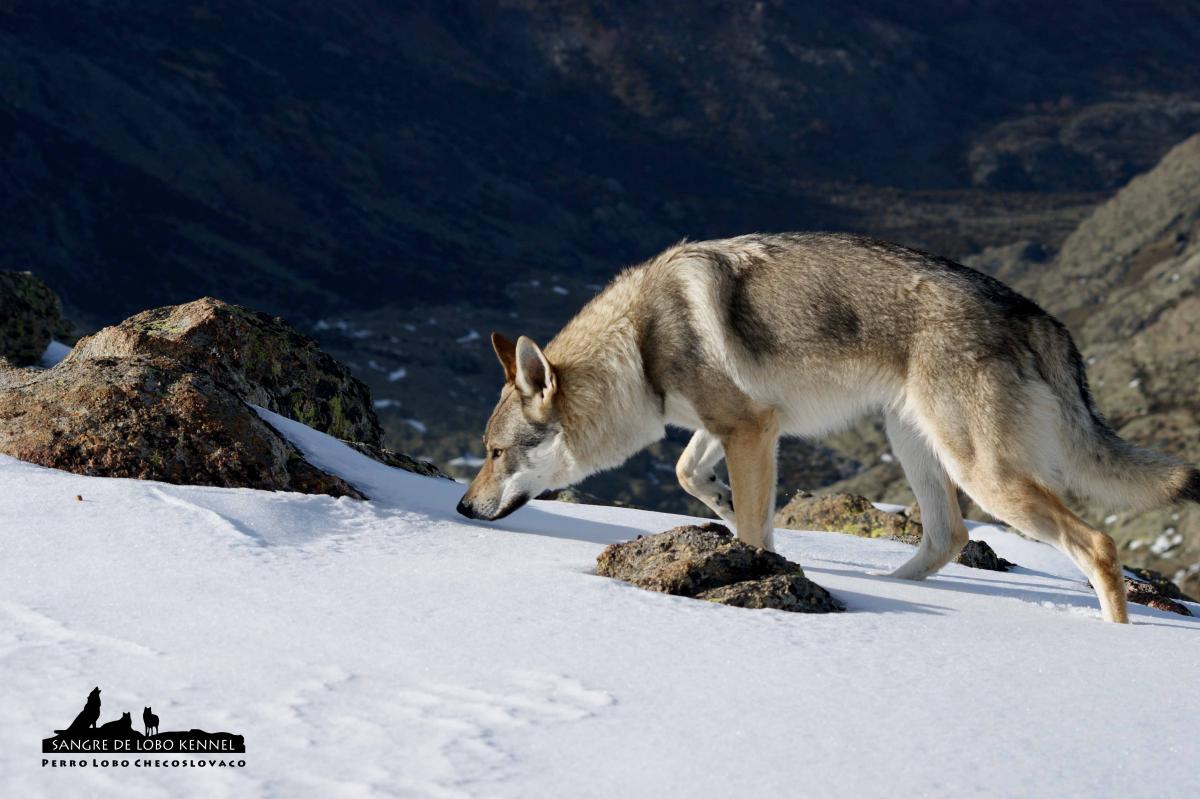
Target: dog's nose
column 465, row 508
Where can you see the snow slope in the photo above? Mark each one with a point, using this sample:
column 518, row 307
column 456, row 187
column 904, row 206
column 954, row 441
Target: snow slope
column 392, row 648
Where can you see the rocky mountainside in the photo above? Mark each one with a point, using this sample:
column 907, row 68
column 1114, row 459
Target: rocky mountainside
column 307, row 157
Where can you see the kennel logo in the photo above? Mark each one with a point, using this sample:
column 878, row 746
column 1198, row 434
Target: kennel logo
column 86, row 742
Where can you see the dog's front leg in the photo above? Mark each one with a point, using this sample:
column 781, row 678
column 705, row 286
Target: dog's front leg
column 697, row 473
column 750, row 455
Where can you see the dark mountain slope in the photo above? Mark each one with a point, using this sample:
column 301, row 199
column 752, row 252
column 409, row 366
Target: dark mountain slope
column 308, row 156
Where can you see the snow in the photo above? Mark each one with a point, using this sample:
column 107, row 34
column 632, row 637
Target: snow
column 466, row 461
column 342, row 326
column 54, row 354
column 393, row 648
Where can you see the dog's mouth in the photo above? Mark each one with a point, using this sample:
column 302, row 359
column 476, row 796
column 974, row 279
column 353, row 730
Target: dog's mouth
column 517, row 503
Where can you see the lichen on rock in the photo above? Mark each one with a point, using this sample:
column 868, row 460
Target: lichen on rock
column 846, row 513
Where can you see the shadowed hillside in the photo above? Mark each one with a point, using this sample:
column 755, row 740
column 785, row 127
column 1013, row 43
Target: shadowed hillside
column 309, row 156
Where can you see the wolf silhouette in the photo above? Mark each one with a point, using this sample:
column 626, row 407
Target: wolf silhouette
column 88, row 716
column 150, row 720
column 123, row 724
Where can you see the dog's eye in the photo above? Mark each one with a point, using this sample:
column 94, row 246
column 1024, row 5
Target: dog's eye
column 496, row 452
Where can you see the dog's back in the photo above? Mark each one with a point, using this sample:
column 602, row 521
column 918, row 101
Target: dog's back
column 826, row 327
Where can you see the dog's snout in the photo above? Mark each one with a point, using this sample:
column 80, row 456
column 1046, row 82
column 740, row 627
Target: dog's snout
column 465, row 508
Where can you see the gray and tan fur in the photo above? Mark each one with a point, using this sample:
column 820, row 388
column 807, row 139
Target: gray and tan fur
column 748, row 338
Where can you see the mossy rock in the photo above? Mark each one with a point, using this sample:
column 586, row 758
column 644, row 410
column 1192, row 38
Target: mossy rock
column 258, row 357
column 150, row 418
column 846, row 513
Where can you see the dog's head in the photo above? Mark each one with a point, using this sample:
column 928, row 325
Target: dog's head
column 525, row 451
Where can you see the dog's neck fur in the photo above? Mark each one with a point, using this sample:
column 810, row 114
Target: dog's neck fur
column 609, row 410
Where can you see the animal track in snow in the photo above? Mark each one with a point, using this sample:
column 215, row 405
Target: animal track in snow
column 38, row 628
column 470, row 725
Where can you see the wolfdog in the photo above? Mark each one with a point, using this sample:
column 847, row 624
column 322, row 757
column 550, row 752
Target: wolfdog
column 745, row 339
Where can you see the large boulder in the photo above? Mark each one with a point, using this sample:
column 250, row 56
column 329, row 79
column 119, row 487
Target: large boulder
column 30, row 316
column 707, row 562
column 258, row 357
column 152, row 418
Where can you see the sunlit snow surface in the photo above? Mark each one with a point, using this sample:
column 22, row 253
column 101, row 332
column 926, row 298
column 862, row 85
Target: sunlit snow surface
column 393, row 648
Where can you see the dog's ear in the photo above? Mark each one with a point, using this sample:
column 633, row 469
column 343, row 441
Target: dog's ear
column 535, row 377
column 506, row 351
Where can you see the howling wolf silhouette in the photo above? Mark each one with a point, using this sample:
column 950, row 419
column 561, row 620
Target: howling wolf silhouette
column 150, row 720
column 88, row 716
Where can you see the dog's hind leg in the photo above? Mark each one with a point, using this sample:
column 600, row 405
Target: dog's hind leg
column 1038, row 512
column 944, row 533
column 697, row 473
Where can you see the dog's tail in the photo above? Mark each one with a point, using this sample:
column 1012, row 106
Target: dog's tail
column 1101, row 465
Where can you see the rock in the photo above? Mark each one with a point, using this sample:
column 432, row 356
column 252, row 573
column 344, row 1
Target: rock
column 978, row 555
column 1152, row 219
column 1092, row 146
column 163, row 396
column 707, row 562
column 398, row 460
column 151, row 418
column 258, row 357
column 855, row 515
column 846, row 513
column 1144, row 593
column 689, row 559
column 792, row 592
column 30, row 316
column 1159, row 582
column 575, row 497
